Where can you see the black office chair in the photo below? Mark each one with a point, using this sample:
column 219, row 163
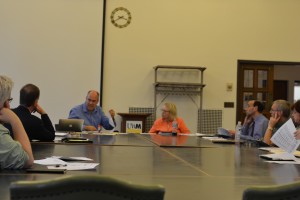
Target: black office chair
column 84, row 187
column 278, row 192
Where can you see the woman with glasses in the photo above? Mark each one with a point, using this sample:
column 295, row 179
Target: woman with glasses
column 14, row 153
column 280, row 113
column 169, row 122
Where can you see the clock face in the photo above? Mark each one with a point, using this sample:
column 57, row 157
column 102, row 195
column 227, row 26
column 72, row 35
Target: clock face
column 120, row 17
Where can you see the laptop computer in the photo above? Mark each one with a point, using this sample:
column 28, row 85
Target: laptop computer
column 70, row 125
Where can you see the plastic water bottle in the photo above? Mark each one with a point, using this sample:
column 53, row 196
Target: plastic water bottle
column 174, row 127
column 238, row 128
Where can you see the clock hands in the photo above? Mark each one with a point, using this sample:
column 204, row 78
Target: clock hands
column 121, row 17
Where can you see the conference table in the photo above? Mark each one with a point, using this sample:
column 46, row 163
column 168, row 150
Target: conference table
column 190, row 167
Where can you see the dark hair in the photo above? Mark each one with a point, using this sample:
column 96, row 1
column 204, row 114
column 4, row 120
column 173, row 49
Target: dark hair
column 28, row 94
column 260, row 106
column 296, row 106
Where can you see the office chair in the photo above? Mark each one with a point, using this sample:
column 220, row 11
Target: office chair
column 84, row 187
column 278, row 192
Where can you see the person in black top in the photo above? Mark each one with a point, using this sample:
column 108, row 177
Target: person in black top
column 36, row 128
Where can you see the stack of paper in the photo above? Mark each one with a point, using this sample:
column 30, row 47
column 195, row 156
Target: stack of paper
column 287, row 143
column 58, row 162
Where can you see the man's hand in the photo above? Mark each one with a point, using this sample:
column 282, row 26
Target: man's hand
column 248, row 120
column 297, row 134
column 39, row 109
column 274, row 119
column 231, row 132
column 90, row 128
column 112, row 113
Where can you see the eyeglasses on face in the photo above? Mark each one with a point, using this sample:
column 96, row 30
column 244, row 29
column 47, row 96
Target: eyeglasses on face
column 162, row 110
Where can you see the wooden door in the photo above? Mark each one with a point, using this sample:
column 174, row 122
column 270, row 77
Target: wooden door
column 280, row 89
column 255, row 82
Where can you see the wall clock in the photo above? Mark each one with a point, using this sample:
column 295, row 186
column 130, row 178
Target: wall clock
column 120, row 17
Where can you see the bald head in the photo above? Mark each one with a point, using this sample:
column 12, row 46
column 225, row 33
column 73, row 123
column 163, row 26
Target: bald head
column 92, row 99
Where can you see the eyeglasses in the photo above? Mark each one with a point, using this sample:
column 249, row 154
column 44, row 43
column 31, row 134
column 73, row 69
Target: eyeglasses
column 162, row 110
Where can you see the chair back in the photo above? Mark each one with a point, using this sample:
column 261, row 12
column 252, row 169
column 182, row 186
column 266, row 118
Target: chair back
column 84, row 187
column 278, row 192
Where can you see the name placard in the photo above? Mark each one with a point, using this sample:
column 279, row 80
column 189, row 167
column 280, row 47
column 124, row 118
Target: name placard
column 134, row 126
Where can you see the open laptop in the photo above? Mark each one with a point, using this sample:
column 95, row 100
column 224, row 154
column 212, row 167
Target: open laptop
column 70, row 125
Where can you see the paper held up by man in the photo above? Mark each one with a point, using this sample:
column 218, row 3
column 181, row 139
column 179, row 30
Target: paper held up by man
column 285, row 139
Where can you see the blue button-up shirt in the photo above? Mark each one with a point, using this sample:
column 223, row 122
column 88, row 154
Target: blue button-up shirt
column 260, row 127
column 94, row 118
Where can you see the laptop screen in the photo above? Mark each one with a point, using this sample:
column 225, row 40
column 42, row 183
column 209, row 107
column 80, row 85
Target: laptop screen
column 70, row 125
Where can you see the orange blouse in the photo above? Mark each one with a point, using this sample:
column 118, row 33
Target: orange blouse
column 161, row 125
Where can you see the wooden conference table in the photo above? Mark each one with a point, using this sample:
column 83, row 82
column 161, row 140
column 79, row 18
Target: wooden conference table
column 205, row 171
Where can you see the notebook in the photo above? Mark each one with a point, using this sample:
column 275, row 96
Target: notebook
column 279, row 157
column 70, row 125
column 222, row 132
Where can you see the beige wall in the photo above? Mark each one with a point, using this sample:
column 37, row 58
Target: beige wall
column 210, row 33
column 55, row 44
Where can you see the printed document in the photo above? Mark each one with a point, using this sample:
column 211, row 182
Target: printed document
column 75, row 166
column 284, row 137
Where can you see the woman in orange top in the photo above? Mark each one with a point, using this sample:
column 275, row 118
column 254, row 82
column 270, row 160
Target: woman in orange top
column 169, row 116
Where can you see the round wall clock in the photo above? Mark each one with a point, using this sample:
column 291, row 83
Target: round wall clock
column 120, row 17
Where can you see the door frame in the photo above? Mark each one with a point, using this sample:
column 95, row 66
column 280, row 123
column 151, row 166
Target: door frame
column 239, row 79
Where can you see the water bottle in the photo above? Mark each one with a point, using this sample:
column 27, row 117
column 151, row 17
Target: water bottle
column 238, row 128
column 174, row 127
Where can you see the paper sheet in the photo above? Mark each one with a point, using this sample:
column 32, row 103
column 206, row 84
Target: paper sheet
column 284, row 137
column 283, row 162
column 192, row 134
column 60, row 134
column 280, row 156
column 205, row 135
column 210, row 138
column 72, row 158
column 50, row 161
column 271, row 149
column 56, row 163
column 75, row 166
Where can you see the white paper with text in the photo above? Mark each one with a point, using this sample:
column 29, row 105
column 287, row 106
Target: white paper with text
column 284, row 137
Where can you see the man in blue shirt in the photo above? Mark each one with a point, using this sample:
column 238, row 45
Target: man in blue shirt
column 92, row 114
column 255, row 123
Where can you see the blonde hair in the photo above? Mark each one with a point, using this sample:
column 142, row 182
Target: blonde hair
column 172, row 109
column 6, row 85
